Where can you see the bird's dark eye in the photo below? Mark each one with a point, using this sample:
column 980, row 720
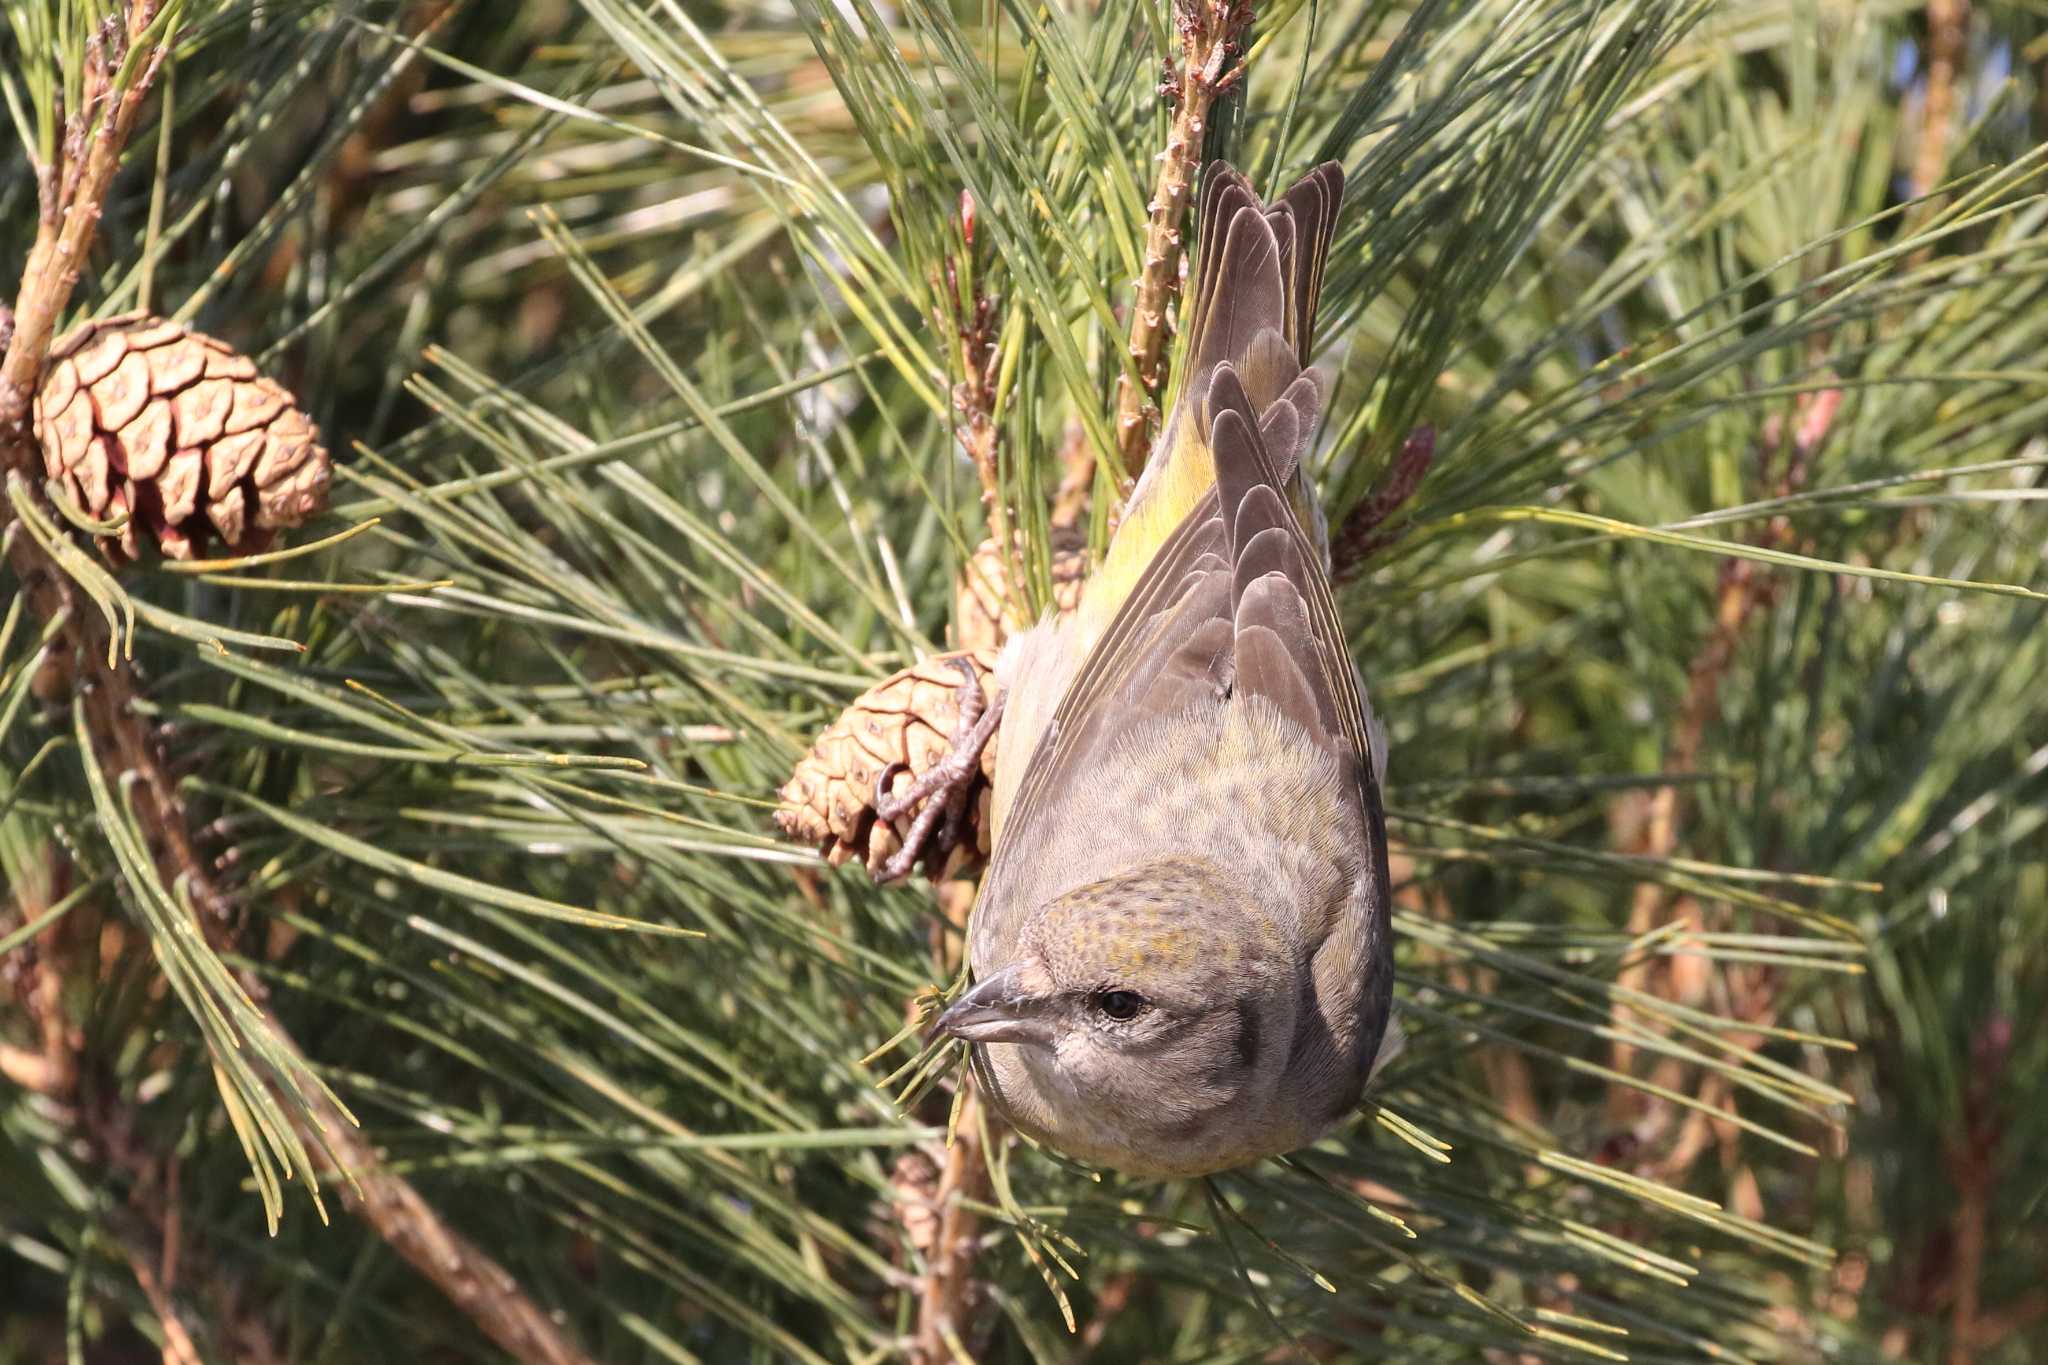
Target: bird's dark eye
column 1120, row 1005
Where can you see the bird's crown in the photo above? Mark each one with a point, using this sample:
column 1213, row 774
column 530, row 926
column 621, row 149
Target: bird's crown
column 1177, row 924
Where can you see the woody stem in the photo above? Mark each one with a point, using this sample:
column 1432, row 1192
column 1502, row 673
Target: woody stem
column 1210, row 32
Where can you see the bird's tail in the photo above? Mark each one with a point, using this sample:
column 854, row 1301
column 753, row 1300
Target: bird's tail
column 1259, row 276
column 1259, row 281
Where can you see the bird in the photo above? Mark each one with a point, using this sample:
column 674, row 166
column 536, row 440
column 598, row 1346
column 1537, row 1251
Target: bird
column 1181, row 957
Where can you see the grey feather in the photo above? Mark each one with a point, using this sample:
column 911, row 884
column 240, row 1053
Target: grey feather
column 1304, row 400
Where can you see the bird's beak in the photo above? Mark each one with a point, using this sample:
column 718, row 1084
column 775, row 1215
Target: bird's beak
column 998, row 1010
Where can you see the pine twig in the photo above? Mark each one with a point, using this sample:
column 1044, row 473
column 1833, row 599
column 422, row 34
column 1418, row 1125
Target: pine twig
column 50, row 1069
column 72, row 952
column 1077, row 478
column 1508, row 1078
column 72, row 196
column 179, row 1347
column 933, row 1213
column 1111, row 1300
column 1971, row 1154
column 945, row 1293
column 149, row 1245
column 967, row 319
column 1211, row 37
column 471, row 1278
column 1948, row 24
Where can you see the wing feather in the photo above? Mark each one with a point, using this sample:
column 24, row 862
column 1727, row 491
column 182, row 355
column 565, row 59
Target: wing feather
column 1233, row 604
column 1236, row 598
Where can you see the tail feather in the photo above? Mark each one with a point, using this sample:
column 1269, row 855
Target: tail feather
column 1257, row 286
column 1312, row 203
column 1225, row 193
column 1246, row 297
column 1302, row 221
column 1287, row 424
column 1272, row 581
column 1260, row 269
column 1258, row 279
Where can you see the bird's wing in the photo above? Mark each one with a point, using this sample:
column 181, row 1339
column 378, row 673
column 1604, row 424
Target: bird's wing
column 1236, row 603
column 1259, row 272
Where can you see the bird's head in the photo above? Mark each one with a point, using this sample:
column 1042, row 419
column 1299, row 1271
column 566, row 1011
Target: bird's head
column 1161, row 1022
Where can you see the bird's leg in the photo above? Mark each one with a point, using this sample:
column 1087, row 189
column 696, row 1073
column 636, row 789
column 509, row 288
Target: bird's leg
column 944, row 786
column 916, row 837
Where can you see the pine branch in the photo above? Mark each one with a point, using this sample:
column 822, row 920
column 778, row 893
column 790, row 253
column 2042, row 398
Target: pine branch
column 70, row 193
column 51, row 1068
column 179, row 1347
column 1077, row 478
column 967, row 320
column 1948, row 31
column 1971, row 1154
column 1743, row 590
column 945, row 1296
column 146, row 1227
column 472, row 1279
column 73, row 194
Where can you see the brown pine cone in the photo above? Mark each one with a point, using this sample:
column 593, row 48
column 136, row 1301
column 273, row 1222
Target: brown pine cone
column 906, row 719
column 140, row 416
column 984, row 613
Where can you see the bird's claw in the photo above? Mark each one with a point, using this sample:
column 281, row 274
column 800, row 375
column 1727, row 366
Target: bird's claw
column 943, row 787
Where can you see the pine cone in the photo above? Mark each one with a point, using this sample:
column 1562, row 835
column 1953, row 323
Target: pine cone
column 983, row 614
column 139, row 415
column 906, row 719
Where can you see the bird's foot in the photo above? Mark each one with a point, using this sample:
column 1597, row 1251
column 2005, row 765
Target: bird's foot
column 943, row 787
